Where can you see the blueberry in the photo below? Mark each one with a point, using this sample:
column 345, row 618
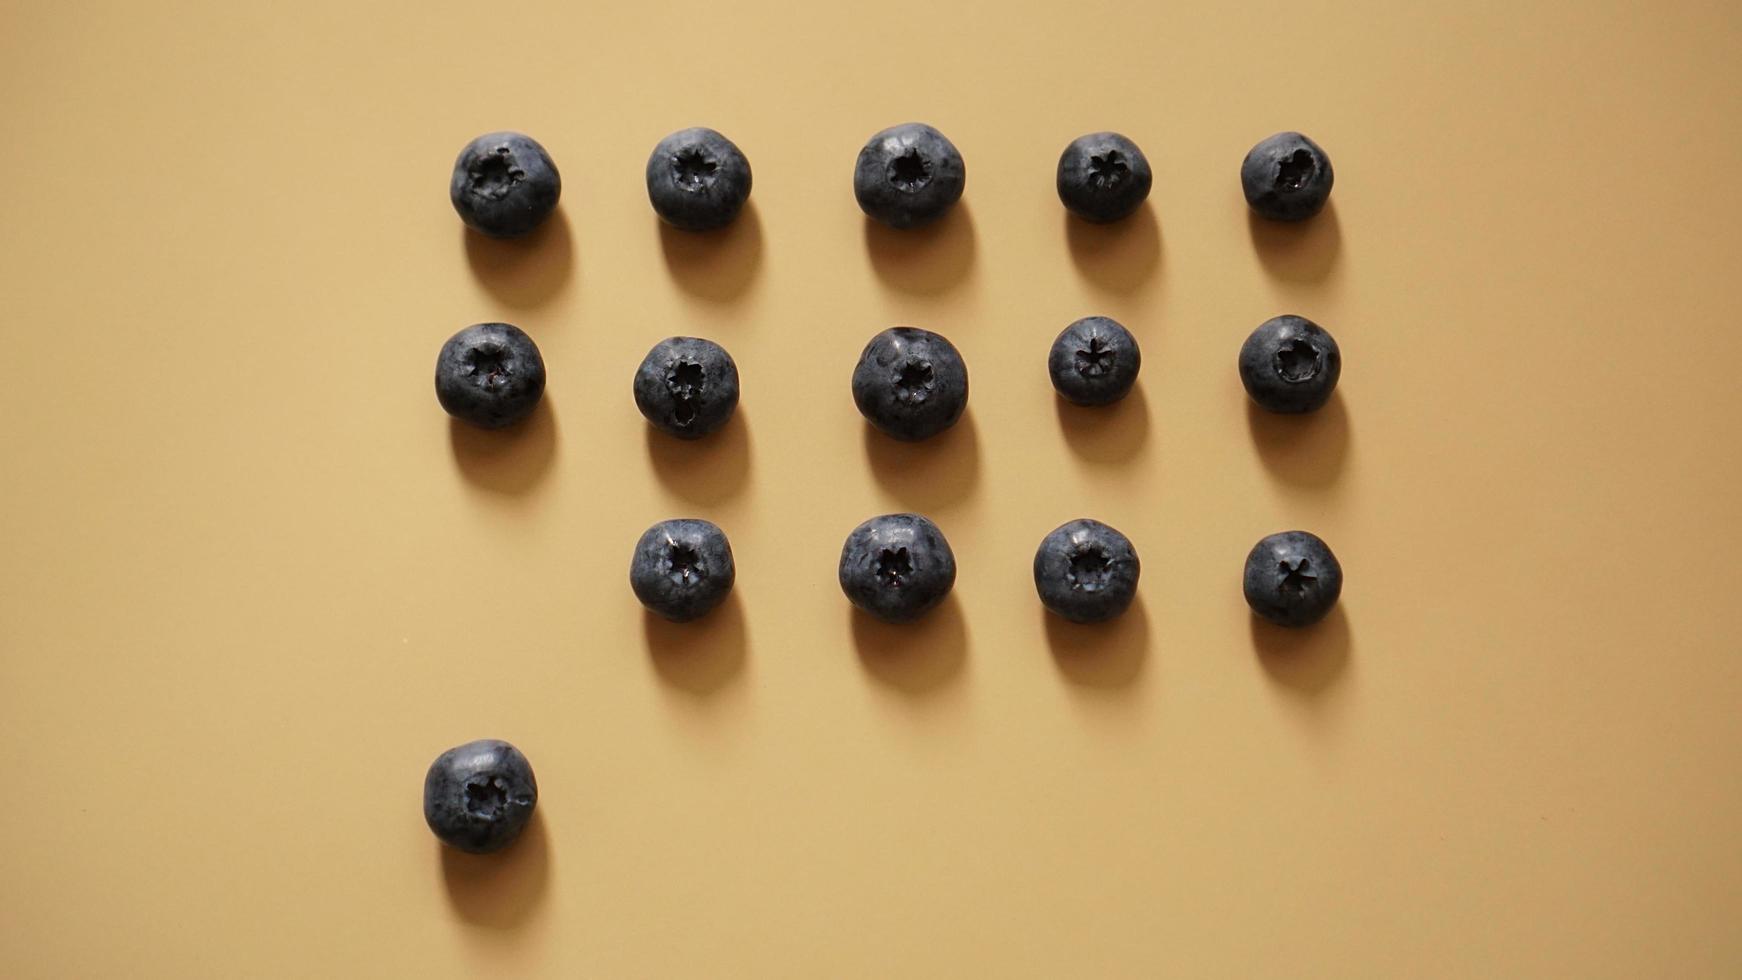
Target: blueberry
column 687, row 386
column 1292, row 579
column 1094, row 361
column 910, row 383
column 908, row 175
column 897, row 567
column 1086, row 571
column 682, row 569
column 1290, row 364
column 479, row 796
column 698, row 179
column 1103, row 177
column 1286, row 177
column 489, row 374
column 504, row 184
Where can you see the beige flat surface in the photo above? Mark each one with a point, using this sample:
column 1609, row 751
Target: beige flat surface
column 253, row 581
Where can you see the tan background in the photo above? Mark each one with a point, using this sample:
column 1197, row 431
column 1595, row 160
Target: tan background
column 253, row 581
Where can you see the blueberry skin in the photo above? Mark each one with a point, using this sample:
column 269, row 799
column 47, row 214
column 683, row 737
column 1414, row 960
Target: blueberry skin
column 489, row 374
column 1086, row 571
column 1094, row 361
column 1286, row 177
column 687, row 386
column 897, row 567
column 479, row 796
column 504, row 185
column 910, row 383
column 908, row 175
column 697, row 179
column 1103, row 177
column 1292, row 579
column 682, row 569
column 1290, row 365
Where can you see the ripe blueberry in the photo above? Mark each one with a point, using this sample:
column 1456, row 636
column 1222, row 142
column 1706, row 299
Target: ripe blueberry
column 1094, row 361
column 1286, row 177
column 479, row 796
column 698, row 179
column 1290, row 364
column 908, row 175
column 1086, row 571
column 1103, row 177
column 910, row 383
column 687, row 386
column 1292, row 579
column 682, row 569
column 504, row 184
column 489, row 374
column 897, row 567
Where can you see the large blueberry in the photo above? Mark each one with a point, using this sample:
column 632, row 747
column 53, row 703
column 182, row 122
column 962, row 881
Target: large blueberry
column 479, row 796
column 1286, row 177
column 489, row 374
column 908, row 175
column 682, row 568
column 698, row 179
column 1094, row 361
column 1103, row 177
column 1292, row 579
column 1086, row 571
column 910, row 383
column 1290, row 364
column 687, row 386
column 897, row 567
column 504, row 184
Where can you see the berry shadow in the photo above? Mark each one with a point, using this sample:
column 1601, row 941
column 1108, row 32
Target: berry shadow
column 718, row 265
column 501, row 890
column 702, row 657
column 507, row 461
column 914, row 658
column 1307, row 661
column 1106, row 433
column 932, row 473
column 1119, row 256
column 1103, row 656
column 1308, row 448
column 1299, row 251
column 523, row 272
column 706, row 470
column 927, row 259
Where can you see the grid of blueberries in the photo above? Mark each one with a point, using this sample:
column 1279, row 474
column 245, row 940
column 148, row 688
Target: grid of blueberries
column 910, row 384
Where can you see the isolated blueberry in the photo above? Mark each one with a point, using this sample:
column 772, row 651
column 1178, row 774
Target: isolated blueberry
column 908, row 175
column 910, row 383
column 504, row 184
column 697, row 179
column 479, row 796
column 1086, row 571
column 687, row 386
column 1286, row 177
column 682, row 568
column 1292, row 579
column 489, row 374
column 1094, row 361
column 897, row 567
column 1103, row 177
column 1290, row 364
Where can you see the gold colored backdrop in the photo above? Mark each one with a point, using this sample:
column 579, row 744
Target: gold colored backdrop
column 253, row 581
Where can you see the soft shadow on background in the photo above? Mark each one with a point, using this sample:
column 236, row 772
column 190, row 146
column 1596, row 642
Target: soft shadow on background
column 718, row 265
column 501, row 890
column 1105, row 656
column 1119, row 256
column 1300, row 251
column 929, row 474
column 1307, row 661
column 1307, row 449
column 507, row 461
column 927, row 259
column 915, row 658
column 706, row 470
column 523, row 272
column 700, row 657
column 1106, row 433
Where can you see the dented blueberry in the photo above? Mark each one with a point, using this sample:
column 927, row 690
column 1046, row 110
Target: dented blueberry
column 1086, row 571
column 698, row 179
column 1286, row 177
column 682, row 569
column 910, row 383
column 908, row 175
column 479, row 796
column 897, row 567
column 1292, row 579
column 1094, row 361
column 1103, row 177
column 490, row 375
column 687, row 386
column 504, row 184
column 1290, row 364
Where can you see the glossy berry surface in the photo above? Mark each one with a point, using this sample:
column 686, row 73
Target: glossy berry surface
column 1290, row 365
column 908, row 175
column 1103, row 177
column 910, row 383
column 1286, row 177
column 698, row 179
column 490, row 375
column 687, row 386
column 1094, row 361
column 1292, row 579
column 479, row 796
column 897, row 567
column 504, row 185
column 1086, row 571
column 682, row 569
